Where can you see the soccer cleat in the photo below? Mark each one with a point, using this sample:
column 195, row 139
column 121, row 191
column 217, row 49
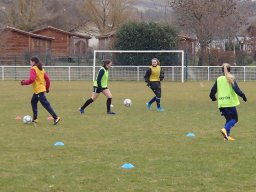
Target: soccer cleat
column 149, row 106
column 224, row 133
column 81, row 111
column 231, row 138
column 160, row 109
column 35, row 121
column 111, row 113
column 56, row 121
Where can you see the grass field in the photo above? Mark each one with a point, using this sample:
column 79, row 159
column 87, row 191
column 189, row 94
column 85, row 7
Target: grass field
column 97, row 145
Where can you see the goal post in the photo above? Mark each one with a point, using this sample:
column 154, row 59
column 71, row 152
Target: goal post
column 138, row 51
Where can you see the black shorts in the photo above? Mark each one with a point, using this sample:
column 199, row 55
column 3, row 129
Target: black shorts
column 95, row 88
column 229, row 113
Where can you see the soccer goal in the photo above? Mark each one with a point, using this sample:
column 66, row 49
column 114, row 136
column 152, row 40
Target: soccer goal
column 131, row 64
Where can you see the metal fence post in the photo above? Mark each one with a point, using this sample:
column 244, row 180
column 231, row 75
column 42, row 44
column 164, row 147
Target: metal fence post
column 15, row 63
column 172, row 73
column 244, row 72
column 69, row 68
column 2, row 72
column 138, row 73
column 208, row 77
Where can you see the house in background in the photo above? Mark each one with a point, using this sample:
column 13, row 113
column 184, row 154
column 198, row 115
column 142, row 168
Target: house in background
column 19, row 45
column 65, row 43
column 106, row 41
column 186, row 43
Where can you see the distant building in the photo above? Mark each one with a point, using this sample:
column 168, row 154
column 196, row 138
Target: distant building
column 65, row 43
column 186, row 43
column 19, row 44
column 106, row 40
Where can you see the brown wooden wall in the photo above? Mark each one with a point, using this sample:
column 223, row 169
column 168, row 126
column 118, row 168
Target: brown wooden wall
column 106, row 43
column 80, row 47
column 60, row 44
column 18, row 44
column 186, row 45
column 39, row 45
column 13, row 43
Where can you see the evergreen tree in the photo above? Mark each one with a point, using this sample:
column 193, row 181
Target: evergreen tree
column 146, row 36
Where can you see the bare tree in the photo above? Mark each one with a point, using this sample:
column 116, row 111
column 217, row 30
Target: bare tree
column 64, row 14
column 31, row 14
column 208, row 20
column 23, row 14
column 162, row 11
column 107, row 14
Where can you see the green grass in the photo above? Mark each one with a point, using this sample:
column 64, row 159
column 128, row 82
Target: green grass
column 97, row 145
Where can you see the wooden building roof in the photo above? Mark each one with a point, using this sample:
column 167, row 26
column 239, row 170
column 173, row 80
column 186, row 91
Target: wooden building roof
column 106, row 35
column 27, row 33
column 61, row 31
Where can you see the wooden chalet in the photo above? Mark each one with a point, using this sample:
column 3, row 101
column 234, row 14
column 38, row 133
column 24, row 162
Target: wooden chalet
column 186, row 43
column 19, row 44
column 106, row 41
column 65, row 43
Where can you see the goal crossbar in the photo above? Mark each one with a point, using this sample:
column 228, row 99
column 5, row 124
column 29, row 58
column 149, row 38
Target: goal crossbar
column 140, row 51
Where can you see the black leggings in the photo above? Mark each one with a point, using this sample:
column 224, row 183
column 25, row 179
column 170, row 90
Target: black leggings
column 156, row 88
column 45, row 103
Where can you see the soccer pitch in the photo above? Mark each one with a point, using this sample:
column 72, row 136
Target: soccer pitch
column 97, row 144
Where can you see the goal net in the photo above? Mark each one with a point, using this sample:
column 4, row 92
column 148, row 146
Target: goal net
column 132, row 64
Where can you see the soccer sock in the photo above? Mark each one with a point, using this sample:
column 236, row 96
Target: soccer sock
column 158, row 102
column 34, row 117
column 152, row 100
column 34, row 113
column 34, row 109
column 108, row 104
column 229, row 125
column 88, row 102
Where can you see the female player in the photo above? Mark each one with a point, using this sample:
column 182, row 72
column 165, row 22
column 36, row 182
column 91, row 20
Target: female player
column 101, row 85
column 153, row 77
column 227, row 90
column 41, row 84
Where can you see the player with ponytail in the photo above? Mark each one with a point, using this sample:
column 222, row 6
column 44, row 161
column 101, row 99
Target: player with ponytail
column 100, row 84
column 228, row 91
column 41, row 83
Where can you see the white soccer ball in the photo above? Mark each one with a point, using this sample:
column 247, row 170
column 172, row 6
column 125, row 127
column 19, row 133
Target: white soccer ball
column 128, row 102
column 27, row 119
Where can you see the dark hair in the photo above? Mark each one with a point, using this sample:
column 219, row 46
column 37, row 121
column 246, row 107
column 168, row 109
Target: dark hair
column 39, row 65
column 35, row 59
column 106, row 62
